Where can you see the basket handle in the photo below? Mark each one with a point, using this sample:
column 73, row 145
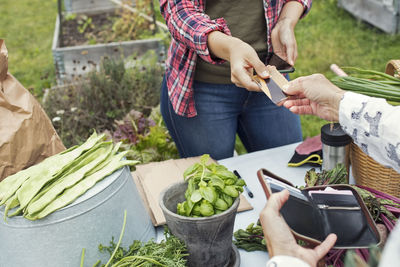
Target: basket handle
column 393, row 68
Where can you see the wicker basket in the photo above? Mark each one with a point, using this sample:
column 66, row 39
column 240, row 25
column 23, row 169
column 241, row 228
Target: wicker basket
column 368, row 172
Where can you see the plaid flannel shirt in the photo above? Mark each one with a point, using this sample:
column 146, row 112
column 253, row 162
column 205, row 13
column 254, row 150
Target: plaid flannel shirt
column 189, row 27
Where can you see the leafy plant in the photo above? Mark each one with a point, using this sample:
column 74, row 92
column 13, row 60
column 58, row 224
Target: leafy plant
column 145, row 139
column 129, row 25
column 84, row 22
column 170, row 252
column 251, row 238
column 104, row 96
column 212, row 189
column 116, row 26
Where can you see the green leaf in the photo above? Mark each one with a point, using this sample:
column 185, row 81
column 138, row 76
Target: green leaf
column 240, row 182
column 221, row 204
column 227, row 199
column 230, row 190
column 196, row 196
column 212, row 167
column 206, row 209
column 181, row 209
column 217, row 211
column 239, row 188
column 216, row 181
column 229, row 181
column 191, row 170
column 225, row 174
column 204, row 159
column 202, row 184
column 189, row 207
column 208, row 193
column 196, row 210
column 190, row 189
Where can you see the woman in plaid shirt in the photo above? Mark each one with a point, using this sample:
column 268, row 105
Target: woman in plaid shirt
column 208, row 94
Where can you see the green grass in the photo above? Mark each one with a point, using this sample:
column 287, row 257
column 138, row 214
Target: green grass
column 27, row 27
column 326, row 35
column 329, row 35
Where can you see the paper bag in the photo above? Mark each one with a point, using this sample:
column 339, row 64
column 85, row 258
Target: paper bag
column 26, row 133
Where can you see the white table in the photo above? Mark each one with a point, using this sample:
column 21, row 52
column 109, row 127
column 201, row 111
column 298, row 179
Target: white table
column 274, row 160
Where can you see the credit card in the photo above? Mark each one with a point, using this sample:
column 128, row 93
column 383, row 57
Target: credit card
column 272, row 86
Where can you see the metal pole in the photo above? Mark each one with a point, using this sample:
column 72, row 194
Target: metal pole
column 61, row 22
column 154, row 16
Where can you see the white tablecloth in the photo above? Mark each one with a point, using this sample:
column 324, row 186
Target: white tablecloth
column 274, row 160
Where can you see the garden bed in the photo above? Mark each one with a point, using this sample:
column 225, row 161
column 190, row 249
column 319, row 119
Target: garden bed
column 88, row 37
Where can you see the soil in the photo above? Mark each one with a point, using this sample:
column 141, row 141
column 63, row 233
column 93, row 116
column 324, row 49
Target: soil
column 103, row 28
column 98, row 31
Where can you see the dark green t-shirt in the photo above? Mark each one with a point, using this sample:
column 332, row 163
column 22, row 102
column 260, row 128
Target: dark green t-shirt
column 246, row 21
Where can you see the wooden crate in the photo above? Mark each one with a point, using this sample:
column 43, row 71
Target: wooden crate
column 383, row 14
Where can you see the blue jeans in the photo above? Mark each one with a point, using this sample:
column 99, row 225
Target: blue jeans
column 224, row 110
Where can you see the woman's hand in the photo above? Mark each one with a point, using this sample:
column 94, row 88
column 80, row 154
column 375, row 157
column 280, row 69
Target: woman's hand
column 283, row 40
column 242, row 57
column 314, row 95
column 280, row 240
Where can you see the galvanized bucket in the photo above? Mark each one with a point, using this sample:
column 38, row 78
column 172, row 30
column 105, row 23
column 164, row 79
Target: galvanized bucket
column 93, row 219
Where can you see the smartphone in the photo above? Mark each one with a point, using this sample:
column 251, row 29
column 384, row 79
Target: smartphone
column 281, row 65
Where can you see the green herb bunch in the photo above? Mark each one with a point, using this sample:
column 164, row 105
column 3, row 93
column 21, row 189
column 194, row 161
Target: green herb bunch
column 337, row 175
column 251, row 238
column 212, row 189
column 170, row 252
column 371, row 83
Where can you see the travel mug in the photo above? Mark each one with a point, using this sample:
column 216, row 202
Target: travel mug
column 335, row 146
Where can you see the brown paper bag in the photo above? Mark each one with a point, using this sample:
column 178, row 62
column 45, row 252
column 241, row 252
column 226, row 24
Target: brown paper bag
column 26, row 133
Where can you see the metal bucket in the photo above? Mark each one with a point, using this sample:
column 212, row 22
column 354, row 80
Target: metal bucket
column 208, row 239
column 93, row 219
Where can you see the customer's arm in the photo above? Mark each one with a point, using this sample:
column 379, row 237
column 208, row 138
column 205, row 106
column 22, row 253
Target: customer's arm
column 373, row 124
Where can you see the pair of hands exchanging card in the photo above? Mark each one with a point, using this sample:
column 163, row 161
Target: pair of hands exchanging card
column 272, row 86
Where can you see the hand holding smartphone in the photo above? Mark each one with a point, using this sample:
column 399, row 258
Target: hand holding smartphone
column 281, row 65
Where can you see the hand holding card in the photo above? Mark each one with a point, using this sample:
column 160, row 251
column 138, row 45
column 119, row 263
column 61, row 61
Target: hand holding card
column 272, row 86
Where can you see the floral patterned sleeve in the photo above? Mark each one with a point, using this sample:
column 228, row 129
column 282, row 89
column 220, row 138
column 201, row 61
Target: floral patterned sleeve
column 374, row 126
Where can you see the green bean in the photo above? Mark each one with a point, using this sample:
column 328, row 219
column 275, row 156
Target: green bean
column 70, row 194
column 60, row 179
column 91, row 160
column 55, row 166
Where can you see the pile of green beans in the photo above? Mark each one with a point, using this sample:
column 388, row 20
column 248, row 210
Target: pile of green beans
column 60, row 179
column 371, row 83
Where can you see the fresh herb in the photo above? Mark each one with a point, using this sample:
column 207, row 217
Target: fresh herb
column 337, row 175
column 212, row 189
column 170, row 252
column 250, row 239
column 371, row 83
